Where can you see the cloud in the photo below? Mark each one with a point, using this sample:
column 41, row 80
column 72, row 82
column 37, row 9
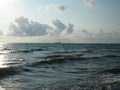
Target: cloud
column 90, row 3
column 86, row 33
column 59, row 26
column 60, row 7
column 24, row 27
column 100, row 35
column 55, row 7
column 59, row 32
column 62, row 28
column 70, row 28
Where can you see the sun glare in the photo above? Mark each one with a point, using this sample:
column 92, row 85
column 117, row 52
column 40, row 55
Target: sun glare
column 5, row 3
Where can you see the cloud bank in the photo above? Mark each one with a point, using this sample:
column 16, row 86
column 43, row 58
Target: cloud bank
column 52, row 7
column 25, row 27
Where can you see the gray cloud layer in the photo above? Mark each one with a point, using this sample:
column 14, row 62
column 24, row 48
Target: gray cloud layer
column 25, row 27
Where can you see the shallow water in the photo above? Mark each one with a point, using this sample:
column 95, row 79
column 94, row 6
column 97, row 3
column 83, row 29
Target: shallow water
column 59, row 66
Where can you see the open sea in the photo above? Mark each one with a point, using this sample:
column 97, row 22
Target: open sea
column 59, row 66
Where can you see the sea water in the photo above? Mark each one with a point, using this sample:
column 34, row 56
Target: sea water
column 62, row 66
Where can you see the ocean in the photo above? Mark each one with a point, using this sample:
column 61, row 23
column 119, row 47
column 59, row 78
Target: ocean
column 59, row 66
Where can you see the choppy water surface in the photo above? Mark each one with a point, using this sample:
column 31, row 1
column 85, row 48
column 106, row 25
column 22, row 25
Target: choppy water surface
column 59, row 66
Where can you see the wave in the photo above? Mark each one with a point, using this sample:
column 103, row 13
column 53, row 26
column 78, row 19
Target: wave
column 88, row 51
column 27, row 50
column 81, row 84
column 7, row 71
column 112, row 70
column 78, row 56
column 52, row 61
column 7, row 49
column 11, row 63
column 114, row 50
column 102, row 56
column 58, row 59
column 66, row 52
column 110, row 56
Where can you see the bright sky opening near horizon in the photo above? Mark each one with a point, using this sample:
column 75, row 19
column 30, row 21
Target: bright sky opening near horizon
column 68, row 21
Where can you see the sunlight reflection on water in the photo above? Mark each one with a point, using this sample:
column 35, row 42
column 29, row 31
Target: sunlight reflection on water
column 2, row 61
column 2, row 57
column 1, row 88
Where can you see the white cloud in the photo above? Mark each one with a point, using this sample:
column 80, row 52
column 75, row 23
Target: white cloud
column 70, row 28
column 59, row 32
column 90, row 3
column 54, row 7
column 24, row 27
column 59, row 26
column 101, row 35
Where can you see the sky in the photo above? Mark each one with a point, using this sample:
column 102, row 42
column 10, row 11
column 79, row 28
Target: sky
column 68, row 21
